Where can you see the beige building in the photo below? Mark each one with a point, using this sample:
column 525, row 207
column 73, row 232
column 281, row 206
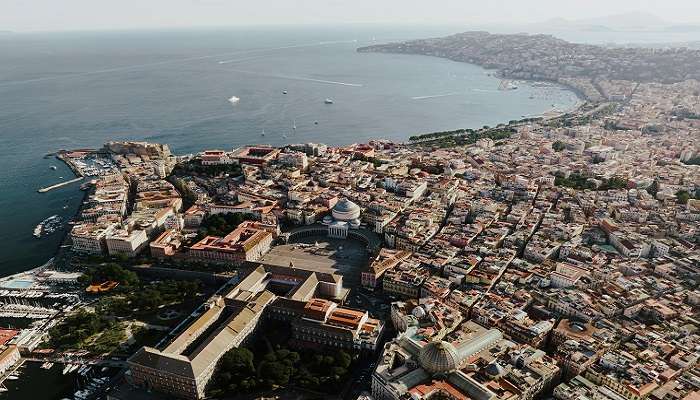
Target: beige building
column 127, row 243
column 183, row 368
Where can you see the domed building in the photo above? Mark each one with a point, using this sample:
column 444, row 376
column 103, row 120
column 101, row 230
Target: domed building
column 345, row 210
column 346, row 215
column 413, row 366
column 439, row 357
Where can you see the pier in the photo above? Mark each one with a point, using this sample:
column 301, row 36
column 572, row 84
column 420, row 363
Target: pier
column 58, row 185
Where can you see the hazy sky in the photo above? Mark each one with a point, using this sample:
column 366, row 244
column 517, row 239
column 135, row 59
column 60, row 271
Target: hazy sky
column 40, row 15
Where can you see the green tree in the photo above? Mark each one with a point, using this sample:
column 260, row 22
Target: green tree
column 682, row 197
column 558, row 146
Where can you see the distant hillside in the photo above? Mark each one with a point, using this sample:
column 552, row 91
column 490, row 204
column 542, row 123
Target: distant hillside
column 626, row 21
column 544, row 57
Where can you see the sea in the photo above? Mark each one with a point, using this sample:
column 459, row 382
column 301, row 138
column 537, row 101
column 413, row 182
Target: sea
column 81, row 89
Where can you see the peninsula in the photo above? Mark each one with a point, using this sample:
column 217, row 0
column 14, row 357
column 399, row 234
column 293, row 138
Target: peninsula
column 586, row 68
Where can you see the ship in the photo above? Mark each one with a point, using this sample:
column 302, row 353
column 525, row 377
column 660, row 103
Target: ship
column 328, row 101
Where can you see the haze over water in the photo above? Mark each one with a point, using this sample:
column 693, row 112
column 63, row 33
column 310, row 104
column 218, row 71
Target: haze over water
column 77, row 90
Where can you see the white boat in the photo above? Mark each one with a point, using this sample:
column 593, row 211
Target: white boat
column 66, row 368
column 284, row 92
column 74, row 367
column 234, row 100
column 294, row 125
column 53, row 167
column 328, row 101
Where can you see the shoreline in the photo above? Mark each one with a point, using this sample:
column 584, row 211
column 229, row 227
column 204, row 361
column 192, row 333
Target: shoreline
column 582, row 100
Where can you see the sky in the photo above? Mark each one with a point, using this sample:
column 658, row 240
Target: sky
column 68, row 15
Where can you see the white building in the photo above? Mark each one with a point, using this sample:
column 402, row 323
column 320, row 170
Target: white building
column 127, row 243
column 89, row 238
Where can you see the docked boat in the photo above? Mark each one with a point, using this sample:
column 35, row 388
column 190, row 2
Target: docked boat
column 48, row 226
column 507, row 85
column 328, row 101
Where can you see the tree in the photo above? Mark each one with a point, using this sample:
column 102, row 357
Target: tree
column 239, row 359
column 653, row 189
column 558, row 146
column 682, row 197
column 109, row 272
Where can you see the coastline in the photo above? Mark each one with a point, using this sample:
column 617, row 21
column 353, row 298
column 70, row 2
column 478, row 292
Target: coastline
column 497, row 73
column 61, row 155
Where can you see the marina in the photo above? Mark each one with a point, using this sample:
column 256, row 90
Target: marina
column 48, row 226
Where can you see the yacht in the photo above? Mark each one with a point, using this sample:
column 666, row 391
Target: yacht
column 284, row 92
column 328, row 101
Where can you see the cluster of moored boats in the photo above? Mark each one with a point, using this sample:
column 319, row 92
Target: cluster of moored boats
column 48, row 226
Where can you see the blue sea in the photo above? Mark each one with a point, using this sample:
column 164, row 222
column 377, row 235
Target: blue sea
column 76, row 90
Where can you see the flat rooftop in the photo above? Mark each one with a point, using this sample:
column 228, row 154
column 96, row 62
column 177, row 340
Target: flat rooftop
column 344, row 257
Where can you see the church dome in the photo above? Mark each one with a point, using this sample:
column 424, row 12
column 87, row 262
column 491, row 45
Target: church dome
column 346, row 210
column 437, row 357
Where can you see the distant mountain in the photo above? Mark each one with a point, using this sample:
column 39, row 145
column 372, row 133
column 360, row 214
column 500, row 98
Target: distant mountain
column 627, row 21
column 616, row 22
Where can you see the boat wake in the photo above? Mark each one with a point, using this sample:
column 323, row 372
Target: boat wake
column 434, row 96
column 298, row 78
column 166, row 62
column 485, row 91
